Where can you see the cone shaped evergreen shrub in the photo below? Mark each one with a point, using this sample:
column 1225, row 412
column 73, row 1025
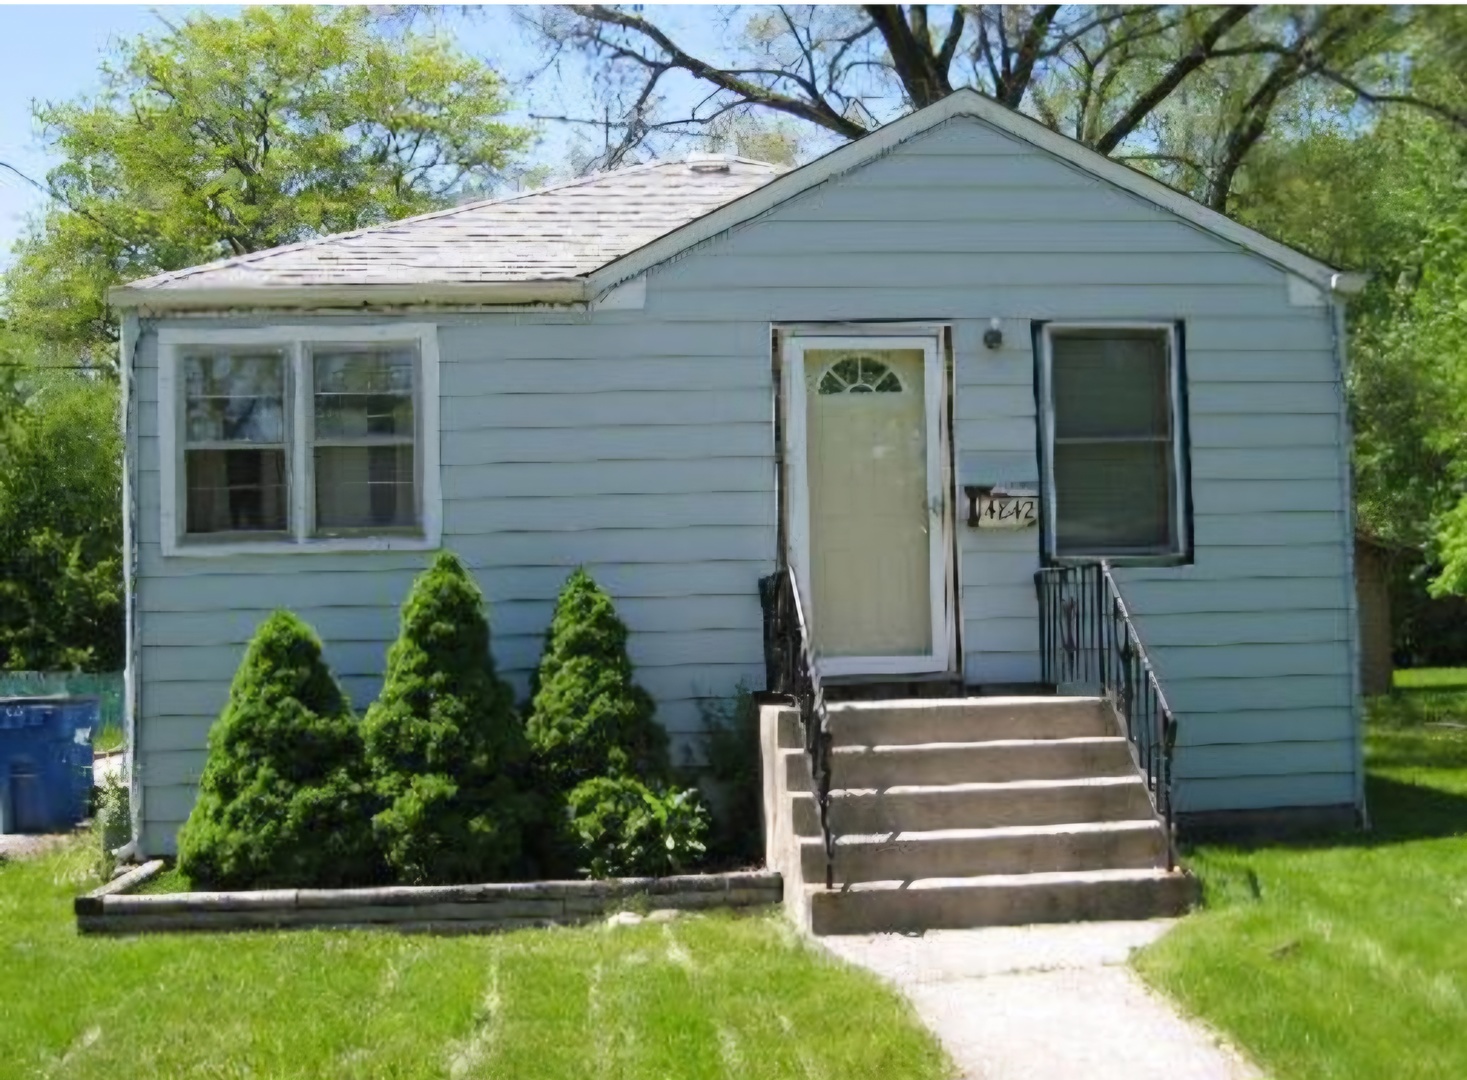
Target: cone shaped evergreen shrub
column 588, row 718
column 446, row 747
column 284, row 799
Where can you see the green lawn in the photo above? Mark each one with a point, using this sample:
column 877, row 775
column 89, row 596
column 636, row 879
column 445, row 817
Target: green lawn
column 1346, row 957
column 704, row 996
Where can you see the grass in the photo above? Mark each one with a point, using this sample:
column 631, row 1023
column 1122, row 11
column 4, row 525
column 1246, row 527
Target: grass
column 107, row 739
column 1345, row 957
column 704, row 996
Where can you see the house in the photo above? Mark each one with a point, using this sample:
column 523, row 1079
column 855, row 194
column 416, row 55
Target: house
column 688, row 374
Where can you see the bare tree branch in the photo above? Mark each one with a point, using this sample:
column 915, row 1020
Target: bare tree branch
column 1162, row 88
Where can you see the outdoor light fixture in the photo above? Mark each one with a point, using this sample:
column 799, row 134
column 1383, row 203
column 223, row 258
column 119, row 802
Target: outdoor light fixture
column 993, row 336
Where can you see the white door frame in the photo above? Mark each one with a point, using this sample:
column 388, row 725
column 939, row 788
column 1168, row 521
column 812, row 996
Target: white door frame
column 793, row 346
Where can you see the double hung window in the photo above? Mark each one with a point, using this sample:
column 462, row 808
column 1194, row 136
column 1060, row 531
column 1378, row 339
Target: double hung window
column 298, row 437
column 1114, row 442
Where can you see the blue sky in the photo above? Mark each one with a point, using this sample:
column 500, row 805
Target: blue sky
column 54, row 53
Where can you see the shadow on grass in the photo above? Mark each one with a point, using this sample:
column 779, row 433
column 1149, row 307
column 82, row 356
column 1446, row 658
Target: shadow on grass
column 1406, row 708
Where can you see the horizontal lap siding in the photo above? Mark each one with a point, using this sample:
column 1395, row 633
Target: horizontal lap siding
column 642, row 451
column 1251, row 640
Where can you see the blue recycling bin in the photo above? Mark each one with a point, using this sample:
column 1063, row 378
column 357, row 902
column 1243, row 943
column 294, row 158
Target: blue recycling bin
column 45, row 762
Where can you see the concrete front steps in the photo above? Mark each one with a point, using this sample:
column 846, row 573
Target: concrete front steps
column 967, row 812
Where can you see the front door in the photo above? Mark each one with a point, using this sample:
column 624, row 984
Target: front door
column 867, row 509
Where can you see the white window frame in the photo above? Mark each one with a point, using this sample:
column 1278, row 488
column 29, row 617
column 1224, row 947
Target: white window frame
column 1181, row 473
column 295, row 343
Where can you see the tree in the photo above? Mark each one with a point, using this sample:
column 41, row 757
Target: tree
column 1102, row 75
column 230, row 134
column 588, row 717
column 1389, row 194
column 60, row 518
column 283, row 800
column 446, row 747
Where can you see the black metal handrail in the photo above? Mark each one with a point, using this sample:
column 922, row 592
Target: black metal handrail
column 790, row 672
column 1088, row 639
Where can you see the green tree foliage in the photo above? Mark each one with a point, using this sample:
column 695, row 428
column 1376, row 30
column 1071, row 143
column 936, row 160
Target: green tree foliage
column 283, row 801
column 233, row 133
column 445, row 745
column 1387, row 193
column 60, row 522
column 588, row 718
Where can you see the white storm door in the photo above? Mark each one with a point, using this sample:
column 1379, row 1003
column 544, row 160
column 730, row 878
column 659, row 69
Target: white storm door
column 867, row 509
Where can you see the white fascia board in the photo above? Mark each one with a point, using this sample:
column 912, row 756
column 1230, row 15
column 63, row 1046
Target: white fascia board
column 968, row 102
column 199, row 298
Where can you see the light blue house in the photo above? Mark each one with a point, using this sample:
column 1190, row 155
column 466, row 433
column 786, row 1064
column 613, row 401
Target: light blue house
column 915, row 370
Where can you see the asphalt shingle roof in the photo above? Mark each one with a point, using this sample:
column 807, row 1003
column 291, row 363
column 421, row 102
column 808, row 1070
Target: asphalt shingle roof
column 554, row 234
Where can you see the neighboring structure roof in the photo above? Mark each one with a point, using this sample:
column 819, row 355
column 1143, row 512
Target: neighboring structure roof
column 554, row 234
column 576, row 241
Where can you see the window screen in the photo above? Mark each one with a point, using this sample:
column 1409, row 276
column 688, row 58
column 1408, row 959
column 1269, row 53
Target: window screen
column 365, row 470
column 234, row 442
column 1113, row 448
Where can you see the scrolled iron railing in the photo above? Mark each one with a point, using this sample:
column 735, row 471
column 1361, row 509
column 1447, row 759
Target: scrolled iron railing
column 790, row 672
column 1088, row 639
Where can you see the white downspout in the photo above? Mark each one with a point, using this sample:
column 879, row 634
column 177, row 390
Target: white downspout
column 1352, row 620
column 127, row 358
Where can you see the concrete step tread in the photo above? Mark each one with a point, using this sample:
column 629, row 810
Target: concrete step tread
column 1082, row 784
column 1008, row 881
column 943, row 704
column 1076, row 742
column 920, row 836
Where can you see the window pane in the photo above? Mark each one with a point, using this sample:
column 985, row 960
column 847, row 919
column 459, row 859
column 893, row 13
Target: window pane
column 235, row 490
column 363, row 486
column 1113, row 498
column 1111, row 383
column 234, row 397
column 364, row 393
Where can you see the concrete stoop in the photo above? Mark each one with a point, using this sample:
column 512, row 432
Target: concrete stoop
column 960, row 813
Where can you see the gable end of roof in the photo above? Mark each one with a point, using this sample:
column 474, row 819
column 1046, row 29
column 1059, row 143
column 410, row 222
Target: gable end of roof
column 970, row 103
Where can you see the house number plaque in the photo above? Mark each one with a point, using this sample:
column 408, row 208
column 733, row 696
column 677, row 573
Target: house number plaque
column 1002, row 507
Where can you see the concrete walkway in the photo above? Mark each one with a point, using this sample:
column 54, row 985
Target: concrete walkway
column 1045, row 1003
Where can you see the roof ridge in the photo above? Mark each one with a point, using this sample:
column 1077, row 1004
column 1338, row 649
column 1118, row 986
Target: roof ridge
column 448, row 211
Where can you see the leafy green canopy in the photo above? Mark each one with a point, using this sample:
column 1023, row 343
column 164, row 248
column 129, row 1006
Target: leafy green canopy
column 60, row 522
column 444, row 742
column 282, row 801
column 231, row 134
column 588, row 717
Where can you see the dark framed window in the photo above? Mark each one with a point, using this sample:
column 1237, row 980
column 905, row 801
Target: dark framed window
column 1113, row 441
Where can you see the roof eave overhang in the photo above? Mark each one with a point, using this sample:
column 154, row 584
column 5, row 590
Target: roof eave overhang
column 184, row 298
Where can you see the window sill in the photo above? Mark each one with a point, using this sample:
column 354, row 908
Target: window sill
column 205, row 550
column 1175, row 558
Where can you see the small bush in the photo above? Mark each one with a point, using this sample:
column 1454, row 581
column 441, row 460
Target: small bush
column 626, row 829
column 731, row 748
column 283, row 800
column 112, row 822
column 445, row 745
column 588, row 718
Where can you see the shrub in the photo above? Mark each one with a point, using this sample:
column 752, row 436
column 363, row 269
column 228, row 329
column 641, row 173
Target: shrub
column 283, row 800
column 445, row 745
column 731, row 748
column 112, row 822
column 624, row 828
column 587, row 717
